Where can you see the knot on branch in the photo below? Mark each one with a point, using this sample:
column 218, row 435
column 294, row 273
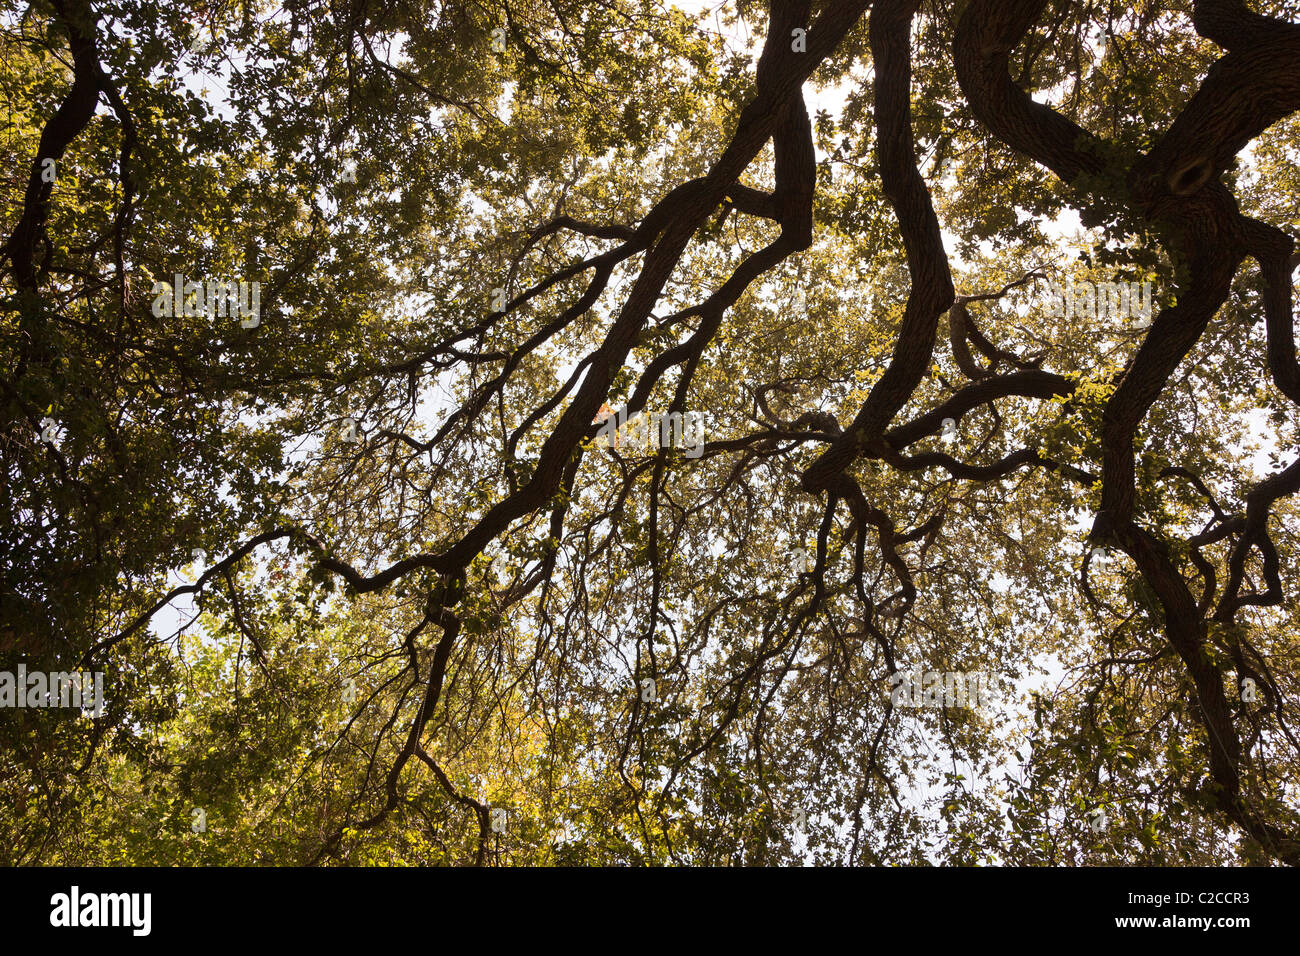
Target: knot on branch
column 1189, row 177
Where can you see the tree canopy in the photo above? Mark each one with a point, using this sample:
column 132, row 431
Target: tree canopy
column 959, row 336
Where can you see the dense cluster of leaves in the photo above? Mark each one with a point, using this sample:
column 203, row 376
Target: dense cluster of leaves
column 472, row 225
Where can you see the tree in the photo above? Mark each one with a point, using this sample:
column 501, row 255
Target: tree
column 406, row 546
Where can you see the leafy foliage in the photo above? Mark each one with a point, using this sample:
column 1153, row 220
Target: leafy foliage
column 361, row 573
